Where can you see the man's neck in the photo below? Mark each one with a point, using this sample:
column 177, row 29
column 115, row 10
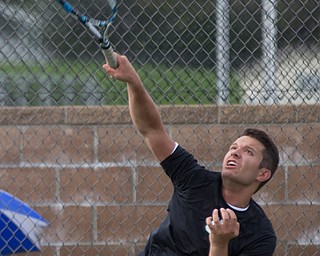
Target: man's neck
column 237, row 197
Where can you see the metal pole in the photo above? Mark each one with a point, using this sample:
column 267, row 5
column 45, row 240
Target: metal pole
column 269, row 48
column 222, row 51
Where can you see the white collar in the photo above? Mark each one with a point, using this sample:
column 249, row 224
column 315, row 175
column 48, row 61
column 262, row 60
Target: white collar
column 238, row 208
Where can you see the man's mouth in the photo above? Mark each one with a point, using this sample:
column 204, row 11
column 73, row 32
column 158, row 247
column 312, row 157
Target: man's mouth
column 231, row 163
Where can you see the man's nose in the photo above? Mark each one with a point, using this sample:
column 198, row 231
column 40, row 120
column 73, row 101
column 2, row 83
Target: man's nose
column 235, row 153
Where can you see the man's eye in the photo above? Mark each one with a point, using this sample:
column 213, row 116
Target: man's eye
column 249, row 152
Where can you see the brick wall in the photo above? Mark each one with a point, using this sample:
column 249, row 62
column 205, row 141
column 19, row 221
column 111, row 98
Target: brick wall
column 88, row 171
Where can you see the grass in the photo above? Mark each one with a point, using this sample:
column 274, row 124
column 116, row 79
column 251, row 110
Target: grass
column 87, row 84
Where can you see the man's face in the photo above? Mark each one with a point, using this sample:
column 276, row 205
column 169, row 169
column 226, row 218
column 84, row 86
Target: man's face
column 241, row 163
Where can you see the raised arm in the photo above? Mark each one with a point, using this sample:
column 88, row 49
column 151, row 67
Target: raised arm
column 143, row 111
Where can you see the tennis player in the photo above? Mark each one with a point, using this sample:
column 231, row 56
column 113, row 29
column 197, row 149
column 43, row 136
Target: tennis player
column 249, row 164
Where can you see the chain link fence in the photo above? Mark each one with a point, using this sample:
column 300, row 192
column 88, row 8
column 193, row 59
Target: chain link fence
column 69, row 148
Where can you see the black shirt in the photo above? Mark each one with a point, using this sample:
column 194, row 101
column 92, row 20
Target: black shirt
column 197, row 192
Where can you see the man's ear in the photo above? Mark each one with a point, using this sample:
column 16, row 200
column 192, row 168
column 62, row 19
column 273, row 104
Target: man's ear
column 264, row 174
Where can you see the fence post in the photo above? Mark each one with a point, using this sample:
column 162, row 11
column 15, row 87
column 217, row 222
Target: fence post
column 222, row 51
column 269, row 49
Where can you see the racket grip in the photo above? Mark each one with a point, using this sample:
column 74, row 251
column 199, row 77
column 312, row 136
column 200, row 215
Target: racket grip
column 108, row 53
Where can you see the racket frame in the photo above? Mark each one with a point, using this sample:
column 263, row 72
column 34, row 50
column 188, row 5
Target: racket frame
column 92, row 25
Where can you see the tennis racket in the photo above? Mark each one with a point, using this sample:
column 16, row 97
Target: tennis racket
column 98, row 28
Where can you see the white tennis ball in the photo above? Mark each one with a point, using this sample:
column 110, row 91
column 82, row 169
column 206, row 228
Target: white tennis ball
column 208, row 229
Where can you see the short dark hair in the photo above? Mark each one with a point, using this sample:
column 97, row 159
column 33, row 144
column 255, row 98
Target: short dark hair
column 270, row 154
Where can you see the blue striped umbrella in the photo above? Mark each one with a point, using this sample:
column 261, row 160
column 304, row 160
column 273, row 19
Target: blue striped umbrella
column 20, row 226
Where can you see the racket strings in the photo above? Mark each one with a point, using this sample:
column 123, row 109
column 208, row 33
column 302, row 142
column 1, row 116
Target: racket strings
column 85, row 19
column 99, row 28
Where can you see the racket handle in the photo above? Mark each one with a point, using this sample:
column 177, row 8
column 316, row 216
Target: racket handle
column 108, row 53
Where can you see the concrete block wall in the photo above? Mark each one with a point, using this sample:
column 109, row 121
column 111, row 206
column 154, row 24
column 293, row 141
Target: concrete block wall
column 90, row 174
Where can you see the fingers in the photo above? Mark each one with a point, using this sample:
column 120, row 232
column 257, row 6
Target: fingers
column 210, row 226
column 224, row 215
column 122, row 70
column 228, row 215
column 230, row 221
column 222, row 229
column 228, row 218
column 109, row 69
column 232, row 215
column 215, row 217
column 212, row 221
column 125, row 72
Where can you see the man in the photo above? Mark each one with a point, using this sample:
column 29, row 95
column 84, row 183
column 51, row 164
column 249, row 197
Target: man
column 250, row 162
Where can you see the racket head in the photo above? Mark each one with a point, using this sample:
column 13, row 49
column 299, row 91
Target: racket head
column 97, row 27
column 70, row 7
